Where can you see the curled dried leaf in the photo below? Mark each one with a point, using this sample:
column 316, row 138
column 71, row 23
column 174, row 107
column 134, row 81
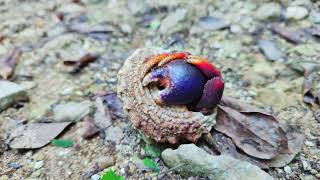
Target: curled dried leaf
column 295, row 142
column 295, row 37
column 90, row 129
column 255, row 132
column 167, row 123
column 80, row 63
column 2, row 37
column 315, row 31
column 114, row 105
column 35, row 135
column 224, row 145
column 9, row 62
column 99, row 32
column 311, row 94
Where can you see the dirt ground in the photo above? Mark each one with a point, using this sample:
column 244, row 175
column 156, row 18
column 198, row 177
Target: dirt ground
column 252, row 73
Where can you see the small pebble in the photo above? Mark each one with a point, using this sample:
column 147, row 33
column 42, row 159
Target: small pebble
column 60, row 163
column 287, row 169
column 38, row 165
column 95, row 177
column 309, row 143
column 268, row 10
column 14, row 165
column 306, row 166
column 296, row 12
column 36, row 173
column 105, row 162
column 313, row 171
column 4, row 177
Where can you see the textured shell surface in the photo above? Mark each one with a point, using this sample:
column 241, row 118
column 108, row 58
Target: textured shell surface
column 163, row 123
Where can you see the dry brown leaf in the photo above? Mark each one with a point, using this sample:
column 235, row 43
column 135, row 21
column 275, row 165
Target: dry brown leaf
column 224, row 145
column 311, row 78
column 295, row 141
column 9, row 62
column 314, row 31
column 99, row 32
column 2, row 37
column 295, row 37
column 80, row 63
column 102, row 117
column 114, row 105
column 35, row 135
column 90, row 129
column 257, row 133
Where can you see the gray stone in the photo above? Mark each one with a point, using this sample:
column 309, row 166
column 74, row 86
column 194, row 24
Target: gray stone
column 137, row 6
column 36, row 173
column 287, row 169
column 114, row 134
column 38, row 165
column 95, row 177
column 270, row 50
column 306, row 166
column 212, row 23
column 309, row 143
column 11, row 93
column 268, row 10
column 72, row 111
column 194, row 161
column 296, row 12
column 104, row 162
column 171, row 20
column 315, row 17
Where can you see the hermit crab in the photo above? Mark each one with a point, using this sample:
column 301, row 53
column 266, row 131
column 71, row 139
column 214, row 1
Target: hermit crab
column 170, row 96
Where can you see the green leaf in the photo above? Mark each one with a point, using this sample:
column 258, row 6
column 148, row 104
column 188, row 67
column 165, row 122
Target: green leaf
column 65, row 143
column 151, row 165
column 154, row 25
column 152, row 151
column 111, row 175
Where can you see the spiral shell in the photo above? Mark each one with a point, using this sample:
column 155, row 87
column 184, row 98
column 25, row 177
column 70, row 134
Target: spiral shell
column 163, row 123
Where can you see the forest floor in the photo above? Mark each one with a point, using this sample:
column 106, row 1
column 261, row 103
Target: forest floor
column 260, row 66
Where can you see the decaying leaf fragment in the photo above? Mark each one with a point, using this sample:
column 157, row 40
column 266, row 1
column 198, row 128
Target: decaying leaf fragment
column 255, row 132
column 311, row 93
column 89, row 129
column 114, row 105
column 99, row 32
column 224, row 145
column 35, row 135
column 295, row 37
column 80, row 63
column 167, row 123
column 9, row 62
column 295, row 142
column 315, row 31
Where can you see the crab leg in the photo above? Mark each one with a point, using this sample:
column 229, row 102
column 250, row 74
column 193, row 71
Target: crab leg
column 173, row 56
column 211, row 95
column 203, row 64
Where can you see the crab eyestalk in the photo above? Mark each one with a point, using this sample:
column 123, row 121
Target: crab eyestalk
column 184, row 79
